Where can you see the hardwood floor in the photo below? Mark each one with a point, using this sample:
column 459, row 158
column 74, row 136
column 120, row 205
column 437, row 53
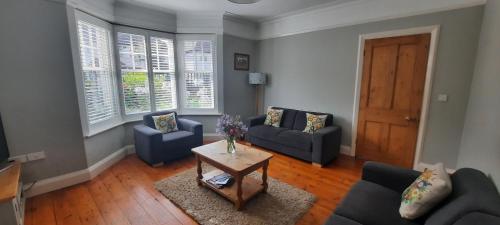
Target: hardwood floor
column 124, row 194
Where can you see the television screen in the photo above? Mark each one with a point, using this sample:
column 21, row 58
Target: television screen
column 4, row 151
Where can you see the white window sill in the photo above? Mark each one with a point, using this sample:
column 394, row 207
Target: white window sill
column 103, row 129
column 95, row 132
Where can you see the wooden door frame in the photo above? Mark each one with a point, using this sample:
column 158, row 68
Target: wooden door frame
column 434, row 31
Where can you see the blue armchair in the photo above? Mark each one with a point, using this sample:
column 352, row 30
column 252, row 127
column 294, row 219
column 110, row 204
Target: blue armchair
column 155, row 147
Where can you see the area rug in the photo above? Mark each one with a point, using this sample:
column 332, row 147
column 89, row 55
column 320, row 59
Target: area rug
column 282, row 204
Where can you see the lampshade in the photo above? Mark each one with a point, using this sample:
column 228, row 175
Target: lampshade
column 257, row 78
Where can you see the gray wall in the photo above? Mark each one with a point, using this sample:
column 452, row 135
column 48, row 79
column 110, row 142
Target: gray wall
column 316, row 71
column 239, row 96
column 37, row 88
column 104, row 144
column 481, row 137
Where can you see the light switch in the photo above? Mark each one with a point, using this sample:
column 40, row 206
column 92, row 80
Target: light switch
column 442, row 98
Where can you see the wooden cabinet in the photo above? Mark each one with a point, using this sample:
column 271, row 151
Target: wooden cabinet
column 11, row 199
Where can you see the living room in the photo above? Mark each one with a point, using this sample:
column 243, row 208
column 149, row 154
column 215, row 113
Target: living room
column 249, row 112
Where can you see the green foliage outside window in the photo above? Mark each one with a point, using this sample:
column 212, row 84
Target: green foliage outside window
column 136, row 92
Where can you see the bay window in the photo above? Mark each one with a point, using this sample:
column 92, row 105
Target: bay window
column 147, row 71
column 145, row 78
column 198, row 73
column 95, row 74
column 134, row 73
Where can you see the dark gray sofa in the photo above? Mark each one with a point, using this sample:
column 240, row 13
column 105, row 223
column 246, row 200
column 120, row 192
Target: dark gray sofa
column 155, row 148
column 376, row 198
column 320, row 148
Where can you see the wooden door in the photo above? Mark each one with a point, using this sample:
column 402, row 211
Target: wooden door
column 391, row 98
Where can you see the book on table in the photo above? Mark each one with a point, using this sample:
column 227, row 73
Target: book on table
column 221, row 180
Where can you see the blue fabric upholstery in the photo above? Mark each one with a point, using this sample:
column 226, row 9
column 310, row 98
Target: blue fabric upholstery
column 340, row 220
column 478, row 218
column 288, row 118
column 367, row 201
column 295, row 139
column 301, row 120
column 154, row 147
column 376, row 198
column 321, row 147
column 264, row 131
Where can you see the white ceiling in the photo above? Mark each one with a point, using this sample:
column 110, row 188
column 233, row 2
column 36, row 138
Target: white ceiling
column 260, row 11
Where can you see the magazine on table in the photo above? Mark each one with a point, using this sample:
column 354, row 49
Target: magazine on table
column 221, row 180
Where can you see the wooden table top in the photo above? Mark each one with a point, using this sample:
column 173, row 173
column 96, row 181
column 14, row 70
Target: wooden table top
column 244, row 157
column 9, row 182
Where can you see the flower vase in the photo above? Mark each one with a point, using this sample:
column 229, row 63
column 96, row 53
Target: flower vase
column 231, row 146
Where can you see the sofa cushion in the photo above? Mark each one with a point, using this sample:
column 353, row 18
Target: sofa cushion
column 295, row 139
column 148, row 118
column 430, row 188
column 166, row 123
column 177, row 135
column 273, row 117
column 314, row 123
column 301, row 120
column 265, row 131
column 288, row 117
column 372, row 204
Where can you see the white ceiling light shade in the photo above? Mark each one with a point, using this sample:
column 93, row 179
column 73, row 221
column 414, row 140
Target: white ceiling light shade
column 244, row 1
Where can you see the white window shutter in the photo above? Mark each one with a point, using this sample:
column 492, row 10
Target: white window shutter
column 198, row 69
column 134, row 73
column 97, row 72
column 163, row 63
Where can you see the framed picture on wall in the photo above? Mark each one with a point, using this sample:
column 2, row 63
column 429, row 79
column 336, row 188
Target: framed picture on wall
column 241, row 61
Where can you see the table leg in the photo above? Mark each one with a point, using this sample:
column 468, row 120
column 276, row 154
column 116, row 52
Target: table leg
column 239, row 192
column 264, row 176
column 199, row 170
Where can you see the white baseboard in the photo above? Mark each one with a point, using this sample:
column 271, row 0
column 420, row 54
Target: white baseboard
column 80, row 176
column 130, row 149
column 346, row 150
column 421, row 167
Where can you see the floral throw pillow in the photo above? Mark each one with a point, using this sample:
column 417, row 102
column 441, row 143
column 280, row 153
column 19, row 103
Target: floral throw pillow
column 165, row 123
column 314, row 123
column 273, row 117
column 431, row 187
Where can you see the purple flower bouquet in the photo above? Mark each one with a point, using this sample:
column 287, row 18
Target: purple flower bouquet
column 231, row 128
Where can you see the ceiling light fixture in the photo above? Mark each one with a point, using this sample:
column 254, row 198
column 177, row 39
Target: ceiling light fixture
column 244, row 1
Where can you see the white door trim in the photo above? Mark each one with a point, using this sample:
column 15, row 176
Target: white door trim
column 434, row 31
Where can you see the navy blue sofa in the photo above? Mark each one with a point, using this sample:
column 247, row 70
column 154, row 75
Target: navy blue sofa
column 320, row 148
column 376, row 198
column 155, row 147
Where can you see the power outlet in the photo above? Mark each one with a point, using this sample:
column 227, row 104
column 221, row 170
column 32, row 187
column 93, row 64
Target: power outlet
column 36, row 156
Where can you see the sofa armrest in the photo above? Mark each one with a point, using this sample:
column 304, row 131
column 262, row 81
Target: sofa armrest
column 145, row 131
column 326, row 144
column 256, row 120
column 395, row 178
column 191, row 126
column 478, row 218
column 147, row 140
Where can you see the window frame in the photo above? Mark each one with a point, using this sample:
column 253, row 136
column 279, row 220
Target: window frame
column 217, row 60
column 147, row 34
column 87, row 128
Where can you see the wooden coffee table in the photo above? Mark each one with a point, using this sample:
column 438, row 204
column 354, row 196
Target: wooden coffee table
column 245, row 161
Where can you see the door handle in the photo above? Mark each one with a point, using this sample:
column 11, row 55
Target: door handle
column 408, row 118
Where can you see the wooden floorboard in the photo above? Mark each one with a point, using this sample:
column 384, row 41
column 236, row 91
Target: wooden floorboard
column 125, row 195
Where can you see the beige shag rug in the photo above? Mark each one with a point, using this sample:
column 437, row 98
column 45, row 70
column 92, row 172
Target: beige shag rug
column 281, row 205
